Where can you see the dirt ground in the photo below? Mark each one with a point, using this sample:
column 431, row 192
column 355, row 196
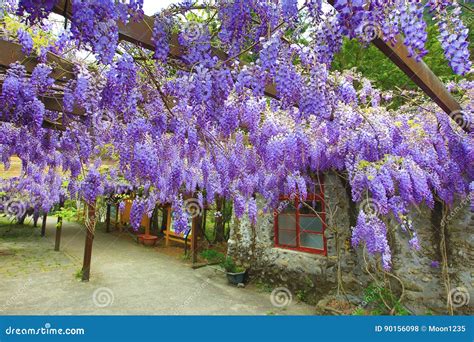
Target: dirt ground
column 126, row 278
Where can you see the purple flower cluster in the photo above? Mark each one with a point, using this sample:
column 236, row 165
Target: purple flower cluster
column 26, row 41
column 414, row 28
column 454, row 38
column 160, row 39
column 136, row 213
column 289, row 9
column 20, row 94
column 92, row 186
column 120, row 94
column 94, row 23
column 373, row 232
column 35, row 10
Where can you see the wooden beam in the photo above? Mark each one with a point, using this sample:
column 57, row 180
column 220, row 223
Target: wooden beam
column 55, row 103
column 10, row 52
column 63, row 70
column 422, row 76
column 140, row 33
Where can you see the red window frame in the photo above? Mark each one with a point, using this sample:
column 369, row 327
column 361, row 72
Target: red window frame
column 311, row 197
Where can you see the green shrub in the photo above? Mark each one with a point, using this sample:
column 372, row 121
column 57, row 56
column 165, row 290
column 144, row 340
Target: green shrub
column 378, row 296
column 212, row 256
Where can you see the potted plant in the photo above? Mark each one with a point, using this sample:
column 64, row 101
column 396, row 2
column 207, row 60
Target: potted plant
column 235, row 274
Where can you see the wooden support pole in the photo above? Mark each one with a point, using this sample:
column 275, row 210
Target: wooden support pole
column 43, row 225
column 168, row 225
column 90, row 228
column 194, row 237
column 59, row 228
column 117, row 209
column 107, row 218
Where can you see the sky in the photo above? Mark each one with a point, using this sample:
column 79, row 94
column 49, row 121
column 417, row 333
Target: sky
column 150, row 7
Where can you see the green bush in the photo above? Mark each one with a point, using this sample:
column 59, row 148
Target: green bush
column 212, row 256
column 379, row 296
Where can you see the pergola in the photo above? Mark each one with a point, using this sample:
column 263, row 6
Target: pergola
column 140, row 34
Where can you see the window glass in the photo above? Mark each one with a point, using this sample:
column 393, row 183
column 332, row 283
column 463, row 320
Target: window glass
column 305, row 208
column 311, row 240
column 287, row 237
column 311, row 223
column 297, row 220
column 287, row 222
column 286, row 207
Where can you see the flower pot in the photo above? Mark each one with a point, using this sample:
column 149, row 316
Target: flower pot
column 149, row 240
column 140, row 238
column 236, row 278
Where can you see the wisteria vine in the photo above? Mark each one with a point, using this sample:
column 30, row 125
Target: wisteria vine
column 202, row 126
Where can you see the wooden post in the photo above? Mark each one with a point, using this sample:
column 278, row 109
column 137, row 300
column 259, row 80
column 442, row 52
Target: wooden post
column 59, row 228
column 43, row 225
column 194, row 237
column 107, row 219
column 84, row 208
column 117, row 209
column 168, row 225
column 90, row 227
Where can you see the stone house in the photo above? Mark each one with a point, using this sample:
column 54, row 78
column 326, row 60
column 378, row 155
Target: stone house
column 309, row 254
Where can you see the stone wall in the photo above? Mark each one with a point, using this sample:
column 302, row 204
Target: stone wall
column 314, row 276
